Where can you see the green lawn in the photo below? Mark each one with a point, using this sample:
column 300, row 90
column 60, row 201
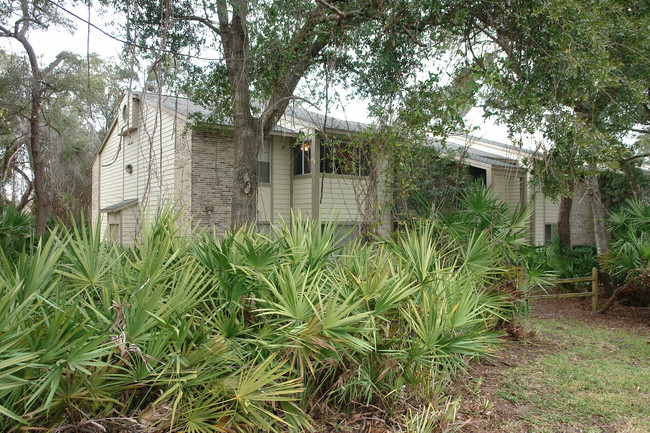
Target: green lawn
column 588, row 378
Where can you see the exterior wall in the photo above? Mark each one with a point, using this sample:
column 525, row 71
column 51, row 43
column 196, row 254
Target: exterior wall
column 301, row 194
column 211, row 178
column 264, row 203
column 281, row 178
column 149, row 147
column 507, row 185
column 341, row 197
column 130, row 224
column 111, row 176
column 183, row 172
column 152, row 155
column 94, row 198
column 545, row 212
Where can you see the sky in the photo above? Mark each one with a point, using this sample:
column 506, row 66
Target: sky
column 85, row 38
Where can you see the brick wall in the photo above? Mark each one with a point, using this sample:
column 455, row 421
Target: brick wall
column 211, row 178
column 183, row 172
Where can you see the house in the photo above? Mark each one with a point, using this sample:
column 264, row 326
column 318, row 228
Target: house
column 504, row 171
column 151, row 155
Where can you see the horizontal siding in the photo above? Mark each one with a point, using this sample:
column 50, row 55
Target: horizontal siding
column 130, row 224
column 339, row 197
column 545, row 212
column 150, row 150
column 154, row 156
column 302, row 194
column 264, row 203
column 507, row 187
column 281, row 178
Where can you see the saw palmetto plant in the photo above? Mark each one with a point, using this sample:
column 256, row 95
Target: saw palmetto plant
column 248, row 332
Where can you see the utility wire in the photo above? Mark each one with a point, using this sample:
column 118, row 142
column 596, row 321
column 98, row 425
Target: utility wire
column 122, row 41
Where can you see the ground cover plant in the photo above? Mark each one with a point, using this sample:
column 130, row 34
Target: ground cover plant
column 245, row 333
column 574, row 371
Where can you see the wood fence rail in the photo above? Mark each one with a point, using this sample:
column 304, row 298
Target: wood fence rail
column 593, row 294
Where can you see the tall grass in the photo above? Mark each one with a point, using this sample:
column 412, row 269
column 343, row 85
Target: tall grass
column 248, row 333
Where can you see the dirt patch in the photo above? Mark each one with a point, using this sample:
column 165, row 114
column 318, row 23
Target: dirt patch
column 486, row 408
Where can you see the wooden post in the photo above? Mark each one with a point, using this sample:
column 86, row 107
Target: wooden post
column 594, row 288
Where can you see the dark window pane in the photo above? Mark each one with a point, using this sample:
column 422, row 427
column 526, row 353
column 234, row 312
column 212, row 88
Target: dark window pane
column 297, row 160
column 264, row 172
column 326, row 159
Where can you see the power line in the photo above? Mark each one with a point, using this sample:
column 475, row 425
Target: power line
column 122, row 41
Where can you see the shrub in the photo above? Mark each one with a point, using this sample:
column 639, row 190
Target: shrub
column 16, row 230
column 249, row 332
column 629, row 259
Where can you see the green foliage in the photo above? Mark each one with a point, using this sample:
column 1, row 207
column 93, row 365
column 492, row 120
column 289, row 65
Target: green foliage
column 244, row 333
column 78, row 104
column 495, row 238
column 16, row 230
column 567, row 262
column 629, row 258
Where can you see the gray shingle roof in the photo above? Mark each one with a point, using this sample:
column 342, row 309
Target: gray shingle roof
column 472, row 154
column 318, row 120
column 469, row 137
column 186, row 107
column 121, row 205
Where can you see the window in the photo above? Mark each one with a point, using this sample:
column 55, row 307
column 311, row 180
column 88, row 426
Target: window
column 302, row 157
column 339, row 157
column 479, row 174
column 550, row 231
column 264, row 162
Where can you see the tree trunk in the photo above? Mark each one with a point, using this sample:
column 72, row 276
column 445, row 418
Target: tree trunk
column 248, row 140
column 248, row 134
column 38, row 166
column 612, row 299
column 35, row 151
column 600, row 232
column 564, row 221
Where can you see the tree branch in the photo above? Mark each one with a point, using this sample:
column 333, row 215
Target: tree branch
column 642, row 155
column 64, row 55
column 333, row 8
column 28, row 192
column 206, row 22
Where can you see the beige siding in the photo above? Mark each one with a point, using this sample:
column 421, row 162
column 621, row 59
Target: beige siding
column 152, row 153
column 264, row 203
column 94, row 200
column 111, row 175
column 281, row 174
column 302, row 194
column 545, row 212
column 130, row 224
column 507, row 187
column 341, row 197
column 149, row 149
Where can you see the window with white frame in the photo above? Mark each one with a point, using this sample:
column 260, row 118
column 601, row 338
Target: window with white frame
column 302, row 157
column 264, row 162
